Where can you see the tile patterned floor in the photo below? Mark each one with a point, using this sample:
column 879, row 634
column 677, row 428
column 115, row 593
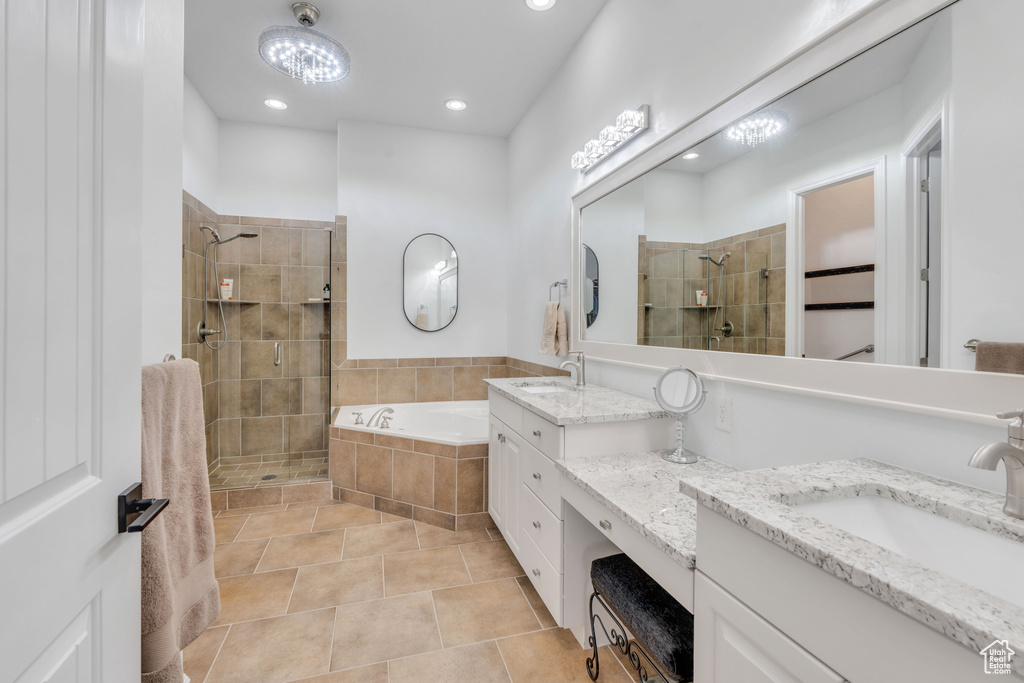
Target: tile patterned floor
column 285, row 471
column 325, row 592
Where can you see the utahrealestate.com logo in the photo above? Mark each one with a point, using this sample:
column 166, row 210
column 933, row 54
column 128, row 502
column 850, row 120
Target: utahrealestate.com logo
column 997, row 657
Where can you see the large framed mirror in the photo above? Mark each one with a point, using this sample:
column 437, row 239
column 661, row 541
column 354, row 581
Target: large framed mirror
column 863, row 216
column 430, row 282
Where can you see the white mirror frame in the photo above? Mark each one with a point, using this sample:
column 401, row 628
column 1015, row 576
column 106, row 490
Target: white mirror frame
column 954, row 394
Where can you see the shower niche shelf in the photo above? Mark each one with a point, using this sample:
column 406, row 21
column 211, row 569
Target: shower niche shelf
column 247, row 303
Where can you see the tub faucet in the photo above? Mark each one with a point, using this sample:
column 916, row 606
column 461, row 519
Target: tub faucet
column 1011, row 452
column 581, row 368
column 375, row 418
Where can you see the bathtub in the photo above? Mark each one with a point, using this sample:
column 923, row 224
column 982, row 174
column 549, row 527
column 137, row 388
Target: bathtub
column 455, row 423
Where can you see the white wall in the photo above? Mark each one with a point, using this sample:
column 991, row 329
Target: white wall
column 769, row 427
column 674, row 206
column 200, row 147
column 276, row 172
column 613, row 226
column 395, row 183
column 162, row 181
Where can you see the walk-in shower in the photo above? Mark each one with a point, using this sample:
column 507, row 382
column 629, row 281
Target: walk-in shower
column 264, row 353
column 202, row 330
column 727, row 328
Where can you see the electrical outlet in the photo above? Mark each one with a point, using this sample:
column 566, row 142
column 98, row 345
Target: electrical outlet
column 723, row 413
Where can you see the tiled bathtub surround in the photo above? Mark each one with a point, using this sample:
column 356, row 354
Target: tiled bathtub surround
column 265, row 418
column 670, row 273
column 431, row 482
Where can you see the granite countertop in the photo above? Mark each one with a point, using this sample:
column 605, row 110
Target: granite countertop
column 642, row 489
column 580, row 405
column 761, row 501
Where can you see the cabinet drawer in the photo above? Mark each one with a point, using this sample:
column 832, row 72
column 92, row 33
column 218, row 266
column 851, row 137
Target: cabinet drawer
column 543, row 576
column 543, row 527
column 544, row 435
column 541, row 476
column 617, row 531
column 505, row 410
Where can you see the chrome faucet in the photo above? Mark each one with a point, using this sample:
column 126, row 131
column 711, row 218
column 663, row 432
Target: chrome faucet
column 581, row 368
column 1011, row 452
column 375, row 418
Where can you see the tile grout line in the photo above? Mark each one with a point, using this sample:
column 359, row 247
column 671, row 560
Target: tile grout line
column 503, row 662
column 472, row 581
column 334, row 633
column 214, row 662
column 437, row 622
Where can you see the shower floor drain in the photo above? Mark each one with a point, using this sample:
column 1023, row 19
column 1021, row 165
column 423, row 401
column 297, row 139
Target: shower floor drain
column 269, row 477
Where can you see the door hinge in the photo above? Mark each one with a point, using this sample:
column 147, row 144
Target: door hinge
column 924, row 362
column 924, row 275
column 926, row 185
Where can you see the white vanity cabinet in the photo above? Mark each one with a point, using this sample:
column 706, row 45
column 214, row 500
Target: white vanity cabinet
column 524, row 500
column 762, row 613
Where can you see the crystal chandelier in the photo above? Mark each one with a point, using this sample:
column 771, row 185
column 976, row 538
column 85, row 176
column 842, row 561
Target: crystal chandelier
column 756, row 128
column 303, row 53
column 628, row 125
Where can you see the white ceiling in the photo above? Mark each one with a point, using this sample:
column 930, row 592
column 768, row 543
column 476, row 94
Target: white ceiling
column 408, row 57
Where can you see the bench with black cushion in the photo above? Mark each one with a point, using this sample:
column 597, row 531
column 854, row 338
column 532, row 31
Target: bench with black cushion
column 656, row 619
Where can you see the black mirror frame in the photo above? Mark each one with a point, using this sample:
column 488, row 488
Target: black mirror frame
column 405, row 254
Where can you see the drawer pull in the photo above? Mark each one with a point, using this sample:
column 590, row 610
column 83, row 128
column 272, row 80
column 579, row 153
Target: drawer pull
column 536, row 525
column 605, row 524
column 536, row 572
column 536, row 475
column 536, row 432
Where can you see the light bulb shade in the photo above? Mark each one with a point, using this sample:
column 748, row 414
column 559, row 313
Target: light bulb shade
column 612, row 137
column 631, row 120
column 580, row 161
column 304, row 54
column 756, row 128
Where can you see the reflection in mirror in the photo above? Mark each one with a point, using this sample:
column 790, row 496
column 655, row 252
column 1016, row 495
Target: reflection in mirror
column 814, row 226
column 431, row 282
column 590, row 285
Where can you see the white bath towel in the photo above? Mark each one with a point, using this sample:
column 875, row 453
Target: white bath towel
column 554, row 338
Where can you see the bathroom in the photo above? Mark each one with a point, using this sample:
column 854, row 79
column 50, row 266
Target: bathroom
column 337, row 191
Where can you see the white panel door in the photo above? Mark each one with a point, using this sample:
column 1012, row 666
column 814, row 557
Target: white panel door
column 70, row 206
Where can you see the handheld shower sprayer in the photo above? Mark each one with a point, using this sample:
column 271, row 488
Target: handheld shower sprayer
column 202, row 330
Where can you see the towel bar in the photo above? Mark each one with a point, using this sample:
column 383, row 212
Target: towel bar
column 972, row 345
column 558, row 283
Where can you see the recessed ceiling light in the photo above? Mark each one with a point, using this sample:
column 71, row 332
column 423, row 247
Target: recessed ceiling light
column 690, row 155
column 275, row 104
column 540, row 5
column 455, row 105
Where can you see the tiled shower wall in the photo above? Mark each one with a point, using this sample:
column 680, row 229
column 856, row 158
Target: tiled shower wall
column 671, row 272
column 258, row 411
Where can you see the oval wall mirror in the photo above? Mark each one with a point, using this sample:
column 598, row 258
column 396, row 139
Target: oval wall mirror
column 431, row 282
column 590, row 284
column 680, row 391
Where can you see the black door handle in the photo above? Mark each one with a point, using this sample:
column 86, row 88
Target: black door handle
column 145, row 510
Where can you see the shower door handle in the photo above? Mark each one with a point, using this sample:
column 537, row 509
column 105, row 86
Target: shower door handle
column 277, row 353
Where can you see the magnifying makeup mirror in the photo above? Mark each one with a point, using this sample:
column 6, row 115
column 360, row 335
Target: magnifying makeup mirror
column 680, row 391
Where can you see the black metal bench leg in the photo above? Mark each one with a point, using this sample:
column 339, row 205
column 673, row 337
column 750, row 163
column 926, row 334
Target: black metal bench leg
column 617, row 638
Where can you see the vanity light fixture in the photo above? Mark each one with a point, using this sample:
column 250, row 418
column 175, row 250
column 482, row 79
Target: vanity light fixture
column 275, row 104
column 690, row 155
column 540, row 5
column 756, row 128
column 628, row 125
column 303, row 53
column 455, row 104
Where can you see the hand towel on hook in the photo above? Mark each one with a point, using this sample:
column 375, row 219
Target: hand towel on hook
column 554, row 339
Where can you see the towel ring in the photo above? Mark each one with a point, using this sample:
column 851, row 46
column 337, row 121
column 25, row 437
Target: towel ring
column 169, row 357
column 559, row 283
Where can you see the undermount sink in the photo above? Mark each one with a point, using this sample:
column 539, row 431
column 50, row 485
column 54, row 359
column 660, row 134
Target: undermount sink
column 978, row 558
column 543, row 387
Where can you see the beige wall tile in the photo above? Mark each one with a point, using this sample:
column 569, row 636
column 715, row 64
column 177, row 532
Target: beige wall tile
column 479, row 520
column 247, row 498
column 262, row 435
column 257, row 360
column 303, row 433
column 281, row 396
column 434, row 448
column 316, row 395
column 444, row 485
column 469, row 383
column 470, row 497
column 416, row 362
column 434, row 384
column 343, row 463
column 433, row 518
column 259, row 283
column 414, row 478
column 392, row 510
column 476, row 450
column 390, row 441
column 396, row 385
column 356, row 387
column 373, row 470
column 301, row 493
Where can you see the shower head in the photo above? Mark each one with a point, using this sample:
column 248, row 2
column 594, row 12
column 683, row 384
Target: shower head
column 217, row 238
column 719, row 262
